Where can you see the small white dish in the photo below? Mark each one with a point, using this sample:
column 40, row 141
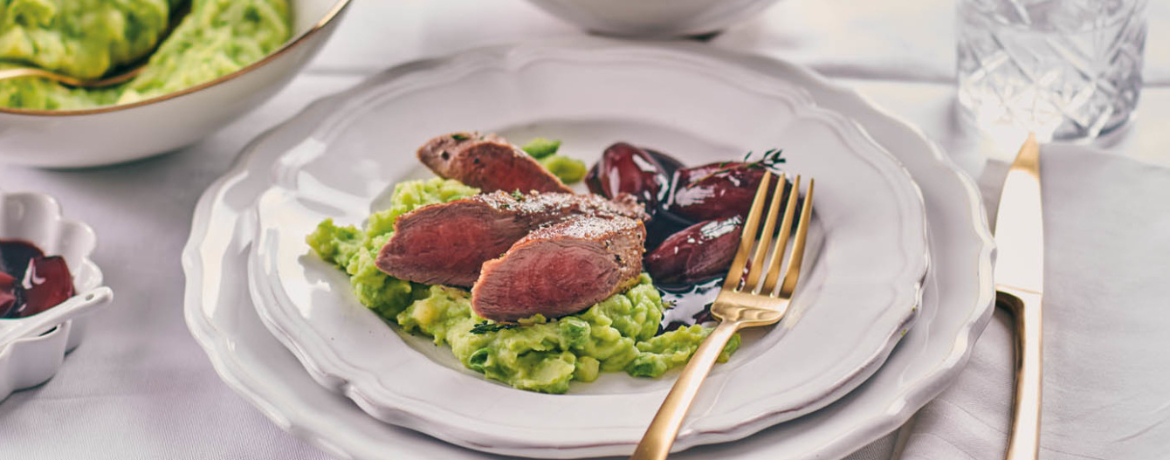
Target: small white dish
column 119, row 133
column 955, row 308
column 36, row 218
column 653, row 18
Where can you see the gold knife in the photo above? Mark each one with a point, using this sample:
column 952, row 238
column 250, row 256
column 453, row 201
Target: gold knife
column 1019, row 282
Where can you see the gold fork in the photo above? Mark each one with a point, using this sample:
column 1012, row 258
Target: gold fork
column 752, row 303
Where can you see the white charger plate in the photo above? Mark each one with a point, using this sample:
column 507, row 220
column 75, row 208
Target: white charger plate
column 253, row 363
column 857, row 298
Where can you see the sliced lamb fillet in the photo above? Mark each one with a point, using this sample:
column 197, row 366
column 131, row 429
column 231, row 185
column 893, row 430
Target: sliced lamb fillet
column 488, row 162
column 561, row 269
column 447, row 243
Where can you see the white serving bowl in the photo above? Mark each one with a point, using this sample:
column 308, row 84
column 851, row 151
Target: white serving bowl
column 36, row 218
column 653, row 18
column 119, row 133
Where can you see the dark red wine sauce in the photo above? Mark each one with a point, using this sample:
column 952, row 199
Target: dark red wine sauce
column 30, row 282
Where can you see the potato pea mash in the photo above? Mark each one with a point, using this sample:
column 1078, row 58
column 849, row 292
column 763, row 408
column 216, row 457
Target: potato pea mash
column 539, row 354
column 90, row 38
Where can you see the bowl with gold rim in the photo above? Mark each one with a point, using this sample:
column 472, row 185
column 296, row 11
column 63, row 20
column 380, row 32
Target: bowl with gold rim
column 198, row 74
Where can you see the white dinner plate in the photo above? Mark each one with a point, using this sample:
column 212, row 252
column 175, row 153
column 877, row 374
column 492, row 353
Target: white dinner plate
column 856, row 299
column 955, row 308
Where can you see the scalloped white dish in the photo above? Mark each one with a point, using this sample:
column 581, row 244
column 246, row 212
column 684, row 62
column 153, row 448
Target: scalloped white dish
column 857, row 300
column 37, row 218
column 955, row 306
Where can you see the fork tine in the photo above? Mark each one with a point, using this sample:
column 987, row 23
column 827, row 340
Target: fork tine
column 749, row 235
column 753, row 274
column 782, row 242
column 794, row 261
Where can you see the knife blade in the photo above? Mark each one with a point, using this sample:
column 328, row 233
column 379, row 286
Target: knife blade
column 1019, row 279
column 1019, row 224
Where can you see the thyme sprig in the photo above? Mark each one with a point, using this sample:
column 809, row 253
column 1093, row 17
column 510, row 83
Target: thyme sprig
column 771, row 159
column 485, row 327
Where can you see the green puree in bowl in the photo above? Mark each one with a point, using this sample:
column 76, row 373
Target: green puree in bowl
column 89, row 38
column 539, row 354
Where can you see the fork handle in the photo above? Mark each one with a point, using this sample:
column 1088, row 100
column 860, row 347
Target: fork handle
column 655, row 444
column 1024, row 440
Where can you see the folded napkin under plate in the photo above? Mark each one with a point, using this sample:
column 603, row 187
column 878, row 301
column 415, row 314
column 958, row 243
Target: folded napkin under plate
column 1106, row 325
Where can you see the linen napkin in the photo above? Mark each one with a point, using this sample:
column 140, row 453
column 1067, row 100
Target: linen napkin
column 1106, row 325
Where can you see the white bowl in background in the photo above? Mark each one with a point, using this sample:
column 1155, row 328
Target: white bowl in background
column 653, row 18
column 119, row 133
column 36, row 218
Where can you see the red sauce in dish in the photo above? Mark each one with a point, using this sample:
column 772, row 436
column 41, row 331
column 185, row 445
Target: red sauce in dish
column 31, row 282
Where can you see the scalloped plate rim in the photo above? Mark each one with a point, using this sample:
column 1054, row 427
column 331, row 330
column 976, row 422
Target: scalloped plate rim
column 905, row 402
column 334, row 370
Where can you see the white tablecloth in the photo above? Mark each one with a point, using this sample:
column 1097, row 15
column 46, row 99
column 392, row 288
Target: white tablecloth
column 140, row 388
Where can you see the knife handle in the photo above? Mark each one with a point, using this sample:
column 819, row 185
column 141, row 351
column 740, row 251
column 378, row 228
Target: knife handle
column 1024, row 440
